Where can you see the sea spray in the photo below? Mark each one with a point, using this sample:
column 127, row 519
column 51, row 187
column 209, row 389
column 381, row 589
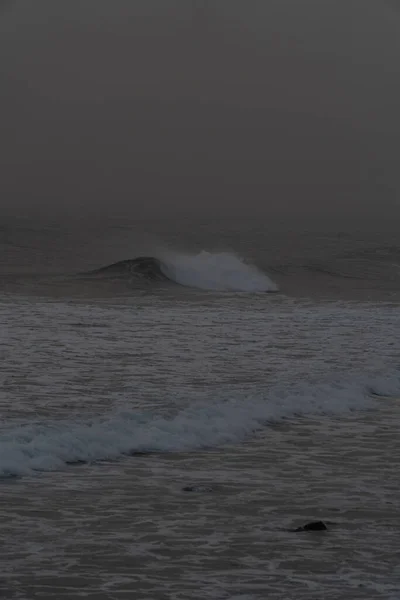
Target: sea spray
column 220, row 271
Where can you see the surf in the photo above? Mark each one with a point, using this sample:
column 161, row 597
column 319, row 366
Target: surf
column 205, row 424
column 213, row 271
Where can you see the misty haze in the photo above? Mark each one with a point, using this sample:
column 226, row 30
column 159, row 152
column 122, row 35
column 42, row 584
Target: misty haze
column 209, row 107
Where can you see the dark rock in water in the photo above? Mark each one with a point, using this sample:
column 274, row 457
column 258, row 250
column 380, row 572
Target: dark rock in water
column 312, row 526
column 196, row 488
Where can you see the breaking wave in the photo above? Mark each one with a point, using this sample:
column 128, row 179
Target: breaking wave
column 221, row 271
column 52, row 446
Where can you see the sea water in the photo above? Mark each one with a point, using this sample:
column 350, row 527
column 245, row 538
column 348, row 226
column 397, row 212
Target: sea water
column 163, row 439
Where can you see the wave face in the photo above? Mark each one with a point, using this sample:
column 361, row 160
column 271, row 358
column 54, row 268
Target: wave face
column 52, row 446
column 221, row 271
column 147, row 267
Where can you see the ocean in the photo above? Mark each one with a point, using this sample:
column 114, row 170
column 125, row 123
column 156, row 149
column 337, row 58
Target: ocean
column 179, row 395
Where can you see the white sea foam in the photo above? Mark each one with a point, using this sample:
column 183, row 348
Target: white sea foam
column 222, row 271
column 46, row 447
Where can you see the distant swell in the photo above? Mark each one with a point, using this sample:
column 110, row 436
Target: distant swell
column 221, row 271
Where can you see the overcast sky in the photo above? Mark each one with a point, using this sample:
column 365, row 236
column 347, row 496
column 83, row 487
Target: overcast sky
column 210, row 106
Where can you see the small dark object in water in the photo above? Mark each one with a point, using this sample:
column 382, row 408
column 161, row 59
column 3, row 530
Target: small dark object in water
column 313, row 526
column 196, row 488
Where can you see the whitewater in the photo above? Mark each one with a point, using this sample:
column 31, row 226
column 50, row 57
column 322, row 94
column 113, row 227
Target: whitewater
column 53, row 446
column 221, row 271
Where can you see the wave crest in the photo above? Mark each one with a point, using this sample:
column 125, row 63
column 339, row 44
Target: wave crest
column 220, row 271
column 147, row 267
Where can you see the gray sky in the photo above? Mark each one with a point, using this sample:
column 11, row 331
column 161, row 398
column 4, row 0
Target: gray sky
column 202, row 106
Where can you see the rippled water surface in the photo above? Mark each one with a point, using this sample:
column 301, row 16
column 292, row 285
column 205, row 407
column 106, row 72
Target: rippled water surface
column 275, row 411
column 119, row 389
